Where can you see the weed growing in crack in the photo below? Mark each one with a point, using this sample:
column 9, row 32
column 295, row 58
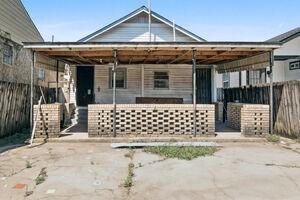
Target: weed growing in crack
column 28, row 164
column 182, row 153
column 129, row 154
column 273, row 138
column 128, row 182
column 41, row 177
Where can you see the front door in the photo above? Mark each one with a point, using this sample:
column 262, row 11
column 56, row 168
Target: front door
column 203, row 83
column 85, row 85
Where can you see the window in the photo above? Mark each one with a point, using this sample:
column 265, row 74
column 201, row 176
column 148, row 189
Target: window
column 295, row 65
column 226, row 80
column 121, row 74
column 161, row 80
column 256, row 77
column 7, row 54
column 41, row 74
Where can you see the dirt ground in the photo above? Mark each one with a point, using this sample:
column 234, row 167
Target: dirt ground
column 95, row 171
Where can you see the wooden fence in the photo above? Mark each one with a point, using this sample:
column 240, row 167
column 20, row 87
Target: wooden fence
column 15, row 107
column 286, row 102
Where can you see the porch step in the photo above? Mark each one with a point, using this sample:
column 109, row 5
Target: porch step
column 80, row 116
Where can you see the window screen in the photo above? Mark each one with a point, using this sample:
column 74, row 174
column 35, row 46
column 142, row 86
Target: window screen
column 161, row 80
column 120, row 78
column 7, row 54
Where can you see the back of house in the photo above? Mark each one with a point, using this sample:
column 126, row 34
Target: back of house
column 158, row 80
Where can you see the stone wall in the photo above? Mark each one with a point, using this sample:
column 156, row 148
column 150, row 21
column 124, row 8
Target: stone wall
column 251, row 119
column 49, row 120
column 147, row 119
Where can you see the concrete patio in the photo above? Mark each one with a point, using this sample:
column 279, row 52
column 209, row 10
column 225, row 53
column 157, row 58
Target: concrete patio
column 95, row 171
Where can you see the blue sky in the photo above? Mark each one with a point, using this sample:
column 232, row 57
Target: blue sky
column 214, row 20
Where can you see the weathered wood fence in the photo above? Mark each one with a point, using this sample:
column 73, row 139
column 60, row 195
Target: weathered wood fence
column 15, row 107
column 286, row 115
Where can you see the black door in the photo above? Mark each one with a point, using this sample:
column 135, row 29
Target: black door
column 85, row 85
column 203, row 83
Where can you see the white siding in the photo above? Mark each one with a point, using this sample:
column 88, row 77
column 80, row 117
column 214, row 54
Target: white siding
column 180, row 83
column 137, row 30
column 15, row 21
column 281, row 71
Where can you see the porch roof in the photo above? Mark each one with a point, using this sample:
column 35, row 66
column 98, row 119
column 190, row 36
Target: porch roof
column 206, row 53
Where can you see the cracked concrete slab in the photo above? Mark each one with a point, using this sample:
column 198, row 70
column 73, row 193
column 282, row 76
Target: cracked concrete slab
column 95, row 171
column 237, row 171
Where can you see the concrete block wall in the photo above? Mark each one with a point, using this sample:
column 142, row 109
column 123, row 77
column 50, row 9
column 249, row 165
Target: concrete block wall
column 234, row 115
column 48, row 121
column 150, row 119
column 250, row 119
column 219, row 111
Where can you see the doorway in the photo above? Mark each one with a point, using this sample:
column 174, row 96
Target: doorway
column 85, row 85
column 203, row 84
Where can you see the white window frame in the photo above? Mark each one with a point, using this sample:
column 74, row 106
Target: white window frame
column 167, row 81
column 11, row 56
column 111, row 77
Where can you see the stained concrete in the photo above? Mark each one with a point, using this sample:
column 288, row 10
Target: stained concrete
column 95, row 171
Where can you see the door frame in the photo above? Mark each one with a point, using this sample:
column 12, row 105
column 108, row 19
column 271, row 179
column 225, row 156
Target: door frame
column 92, row 80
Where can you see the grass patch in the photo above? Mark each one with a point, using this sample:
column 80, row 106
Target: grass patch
column 41, row 177
column 273, row 138
column 182, row 153
column 128, row 182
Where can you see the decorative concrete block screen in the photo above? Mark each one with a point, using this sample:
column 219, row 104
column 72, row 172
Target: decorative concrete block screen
column 147, row 119
column 251, row 119
column 48, row 121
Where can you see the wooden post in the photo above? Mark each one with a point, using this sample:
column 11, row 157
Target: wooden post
column 114, row 92
column 57, row 65
column 271, row 90
column 194, row 94
column 32, row 89
column 35, row 121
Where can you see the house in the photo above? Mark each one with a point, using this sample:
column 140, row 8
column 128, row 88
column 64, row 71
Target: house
column 286, row 65
column 17, row 27
column 143, row 74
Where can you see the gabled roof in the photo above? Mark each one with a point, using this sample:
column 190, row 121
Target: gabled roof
column 135, row 13
column 285, row 37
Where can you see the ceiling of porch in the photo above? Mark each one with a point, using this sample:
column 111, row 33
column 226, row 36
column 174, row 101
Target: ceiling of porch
column 206, row 53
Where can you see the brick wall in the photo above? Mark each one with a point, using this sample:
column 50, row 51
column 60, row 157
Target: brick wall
column 49, row 120
column 251, row 119
column 133, row 119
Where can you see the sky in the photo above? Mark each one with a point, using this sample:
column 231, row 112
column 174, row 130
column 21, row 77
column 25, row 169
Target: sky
column 213, row 20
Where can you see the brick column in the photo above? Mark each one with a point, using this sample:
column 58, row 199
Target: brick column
column 48, row 121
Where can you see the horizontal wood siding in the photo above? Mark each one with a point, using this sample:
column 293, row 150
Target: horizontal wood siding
column 15, row 20
column 134, row 32
column 180, row 83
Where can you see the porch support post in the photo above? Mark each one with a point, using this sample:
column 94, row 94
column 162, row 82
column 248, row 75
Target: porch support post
column 32, row 90
column 271, row 90
column 114, row 92
column 56, row 91
column 194, row 94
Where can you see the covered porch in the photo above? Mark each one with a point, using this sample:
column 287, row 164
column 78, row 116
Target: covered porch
column 158, row 78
